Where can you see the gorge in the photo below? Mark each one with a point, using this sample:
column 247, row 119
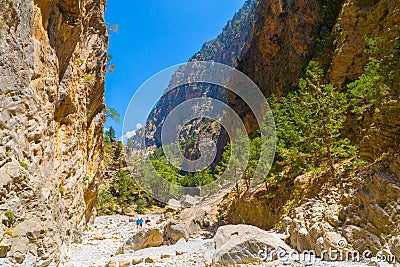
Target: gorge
column 54, row 161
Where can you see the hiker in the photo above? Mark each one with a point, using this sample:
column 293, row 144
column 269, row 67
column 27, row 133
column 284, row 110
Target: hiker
column 147, row 221
column 137, row 223
column 141, row 222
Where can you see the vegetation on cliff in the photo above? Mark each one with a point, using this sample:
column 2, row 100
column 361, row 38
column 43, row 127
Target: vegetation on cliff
column 311, row 128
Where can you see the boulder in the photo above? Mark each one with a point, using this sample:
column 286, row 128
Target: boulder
column 145, row 238
column 362, row 239
column 286, row 224
column 188, row 201
column 333, row 240
column 244, row 244
column 193, row 219
column 30, row 227
column 174, row 231
column 19, row 248
column 5, row 246
column 173, row 205
column 303, row 240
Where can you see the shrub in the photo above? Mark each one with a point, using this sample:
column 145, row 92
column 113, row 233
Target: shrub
column 10, row 216
column 90, row 80
column 140, row 205
column 23, row 165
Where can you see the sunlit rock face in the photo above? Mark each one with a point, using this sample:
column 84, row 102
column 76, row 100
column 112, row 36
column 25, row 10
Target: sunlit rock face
column 52, row 69
column 227, row 48
column 285, row 37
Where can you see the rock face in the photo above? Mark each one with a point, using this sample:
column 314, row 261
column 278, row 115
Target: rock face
column 173, row 232
column 383, row 136
column 361, row 213
column 286, row 35
column 52, row 68
column 145, row 238
column 226, row 48
column 355, row 21
column 243, row 244
column 254, row 209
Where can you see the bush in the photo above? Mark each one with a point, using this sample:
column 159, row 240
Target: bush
column 23, row 165
column 105, row 203
column 10, row 216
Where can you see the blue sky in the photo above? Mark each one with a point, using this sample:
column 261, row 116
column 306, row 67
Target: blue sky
column 154, row 35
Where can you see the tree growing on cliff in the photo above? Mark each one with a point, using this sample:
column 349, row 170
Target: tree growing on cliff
column 110, row 135
column 309, row 124
column 379, row 87
column 113, row 114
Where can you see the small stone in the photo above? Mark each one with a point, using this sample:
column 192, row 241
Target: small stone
column 124, row 263
column 120, row 251
column 4, row 248
column 137, row 260
column 111, row 263
column 148, row 260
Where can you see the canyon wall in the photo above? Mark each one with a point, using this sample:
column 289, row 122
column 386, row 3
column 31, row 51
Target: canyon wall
column 227, row 48
column 52, row 70
column 287, row 35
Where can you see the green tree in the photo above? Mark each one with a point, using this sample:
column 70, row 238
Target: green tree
column 309, row 124
column 113, row 114
column 234, row 156
column 124, row 190
column 105, row 203
column 110, row 134
column 140, row 206
column 379, row 87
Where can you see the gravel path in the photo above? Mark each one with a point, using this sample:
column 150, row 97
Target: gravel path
column 102, row 243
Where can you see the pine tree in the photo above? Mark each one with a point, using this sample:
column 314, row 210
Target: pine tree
column 380, row 84
column 110, row 134
column 309, row 124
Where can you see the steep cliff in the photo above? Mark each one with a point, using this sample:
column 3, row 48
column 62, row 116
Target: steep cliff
column 52, row 70
column 227, row 48
column 287, row 35
column 356, row 21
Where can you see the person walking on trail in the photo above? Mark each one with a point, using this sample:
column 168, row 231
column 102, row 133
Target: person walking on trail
column 137, row 223
column 147, row 221
column 141, row 222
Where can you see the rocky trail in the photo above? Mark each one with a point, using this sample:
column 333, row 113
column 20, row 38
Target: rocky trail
column 105, row 243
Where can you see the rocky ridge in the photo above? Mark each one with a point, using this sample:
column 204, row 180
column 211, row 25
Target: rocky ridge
column 226, row 49
column 362, row 211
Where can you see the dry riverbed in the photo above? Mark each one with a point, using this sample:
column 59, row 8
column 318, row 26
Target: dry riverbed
column 102, row 245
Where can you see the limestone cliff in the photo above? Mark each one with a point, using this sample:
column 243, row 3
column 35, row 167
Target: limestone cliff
column 227, row 48
column 362, row 209
column 52, row 69
column 287, row 35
